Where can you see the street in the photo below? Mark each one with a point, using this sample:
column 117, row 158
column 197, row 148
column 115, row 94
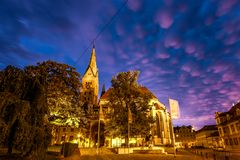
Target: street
column 182, row 155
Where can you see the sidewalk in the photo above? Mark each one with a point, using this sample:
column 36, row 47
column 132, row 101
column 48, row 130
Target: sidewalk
column 75, row 156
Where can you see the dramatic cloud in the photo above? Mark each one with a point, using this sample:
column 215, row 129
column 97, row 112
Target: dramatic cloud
column 164, row 19
column 186, row 50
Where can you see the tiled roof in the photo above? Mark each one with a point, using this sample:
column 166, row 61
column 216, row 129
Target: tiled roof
column 232, row 111
column 106, row 94
column 208, row 127
column 144, row 90
column 182, row 127
column 214, row 134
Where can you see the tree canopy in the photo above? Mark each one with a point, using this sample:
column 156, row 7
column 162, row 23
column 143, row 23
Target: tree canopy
column 32, row 97
column 23, row 110
column 63, row 92
column 127, row 95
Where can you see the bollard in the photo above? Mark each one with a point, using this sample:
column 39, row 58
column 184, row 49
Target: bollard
column 214, row 156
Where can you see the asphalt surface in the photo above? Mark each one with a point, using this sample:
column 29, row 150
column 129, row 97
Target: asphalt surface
column 181, row 155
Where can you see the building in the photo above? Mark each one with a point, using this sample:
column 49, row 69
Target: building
column 162, row 133
column 89, row 96
column 228, row 124
column 63, row 134
column 185, row 136
column 90, row 83
column 208, row 137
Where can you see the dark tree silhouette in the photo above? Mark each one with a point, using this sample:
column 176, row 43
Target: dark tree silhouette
column 31, row 97
column 23, row 109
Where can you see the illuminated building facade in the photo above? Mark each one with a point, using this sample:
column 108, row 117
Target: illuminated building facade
column 63, row 134
column 89, row 96
column 228, row 124
column 185, row 136
column 208, row 137
column 162, row 131
column 90, row 83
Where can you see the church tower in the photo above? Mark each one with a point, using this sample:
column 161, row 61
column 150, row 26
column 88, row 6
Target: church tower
column 90, row 82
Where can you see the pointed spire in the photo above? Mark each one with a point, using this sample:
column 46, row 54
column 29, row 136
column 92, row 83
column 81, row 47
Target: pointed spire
column 93, row 63
column 103, row 90
column 94, row 44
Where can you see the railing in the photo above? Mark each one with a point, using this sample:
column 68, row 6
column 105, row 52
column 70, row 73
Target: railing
column 215, row 155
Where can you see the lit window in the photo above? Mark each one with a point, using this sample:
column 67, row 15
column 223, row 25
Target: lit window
column 226, row 141
column 230, row 141
column 232, row 128
column 238, row 126
column 235, row 141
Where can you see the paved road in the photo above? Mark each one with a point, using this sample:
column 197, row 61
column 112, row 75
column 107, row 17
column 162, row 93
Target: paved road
column 182, row 155
column 139, row 157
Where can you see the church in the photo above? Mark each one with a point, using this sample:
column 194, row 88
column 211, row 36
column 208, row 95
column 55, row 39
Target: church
column 161, row 132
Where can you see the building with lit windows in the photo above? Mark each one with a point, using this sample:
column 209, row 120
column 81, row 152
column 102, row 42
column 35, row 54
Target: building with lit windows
column 228, row 124
column 185, row 136
column 162, row 131
column 61, row 134
column 89, row 97
column 208, row 137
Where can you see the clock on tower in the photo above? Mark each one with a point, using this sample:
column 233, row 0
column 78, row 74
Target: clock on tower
column 88, row 85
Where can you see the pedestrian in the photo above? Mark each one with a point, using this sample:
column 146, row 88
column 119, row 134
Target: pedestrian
column 214, row 156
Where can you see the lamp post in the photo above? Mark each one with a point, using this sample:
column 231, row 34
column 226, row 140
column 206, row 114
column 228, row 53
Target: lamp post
column 98, row 140
column 173, row 135
column 128, row 130
column 129, row 121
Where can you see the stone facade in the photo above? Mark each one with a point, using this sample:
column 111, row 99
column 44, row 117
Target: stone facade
column 63, row 134
column 90, row 83
column 89, row 96
column 185, row 136
column 208, row 137
column 162, row 131
column 228, row 124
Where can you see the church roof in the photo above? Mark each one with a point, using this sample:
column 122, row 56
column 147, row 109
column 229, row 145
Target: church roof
column 144, row 90
column 92, row 63
column 232, row 111
column 208, row 128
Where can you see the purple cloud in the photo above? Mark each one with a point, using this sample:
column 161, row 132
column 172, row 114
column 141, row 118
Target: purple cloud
column 186, row 68
column 232, row 39
column 134, row 5
column 228, row 76
column 225, row 6
column 190, row 48
column 162, row 56
column 182, row 49
column 164, row 18
column 172, row 42
column 145, row 61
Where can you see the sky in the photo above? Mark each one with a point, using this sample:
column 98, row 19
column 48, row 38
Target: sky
column 188, row 50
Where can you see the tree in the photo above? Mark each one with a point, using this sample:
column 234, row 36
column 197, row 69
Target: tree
column 63, row 92
column 31, row 97
column 23, row 109
column 126, row 97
